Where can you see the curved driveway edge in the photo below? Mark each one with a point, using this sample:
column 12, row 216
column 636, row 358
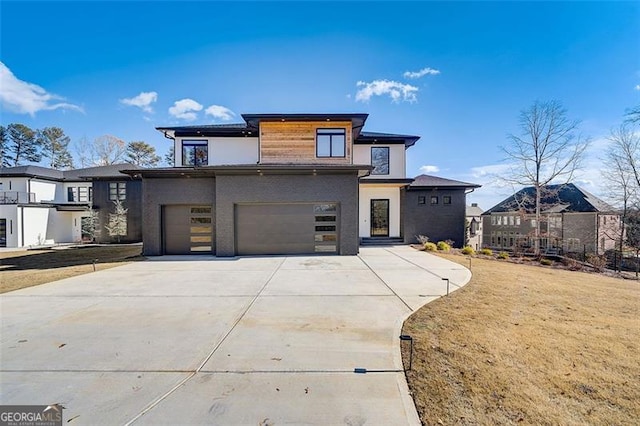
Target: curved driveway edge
column 201, row 340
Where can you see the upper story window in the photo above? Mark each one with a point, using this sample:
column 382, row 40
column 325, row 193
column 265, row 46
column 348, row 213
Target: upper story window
column 81, row 194
column 195, row 153
column 434, row 199
column 380, row 160
column 117, row 191
column 330, row 142
column 446, row 199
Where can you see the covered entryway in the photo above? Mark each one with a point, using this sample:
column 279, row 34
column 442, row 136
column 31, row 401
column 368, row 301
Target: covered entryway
column 286, row 228
column 187, row 229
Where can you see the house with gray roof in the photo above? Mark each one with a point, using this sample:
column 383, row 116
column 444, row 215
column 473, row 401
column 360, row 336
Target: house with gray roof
column 435, row 207
column 572, row 221
column 474, row 226
column 292, row 184
column 42, row 206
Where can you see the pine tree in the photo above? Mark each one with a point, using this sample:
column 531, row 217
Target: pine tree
column 24, row 146
column 4, row 146
column 169, row 157
column 55, row 145
column 142, row 154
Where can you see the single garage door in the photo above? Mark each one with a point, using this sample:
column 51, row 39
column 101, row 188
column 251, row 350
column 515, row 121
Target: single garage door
column 188, row 230
column 300, row 228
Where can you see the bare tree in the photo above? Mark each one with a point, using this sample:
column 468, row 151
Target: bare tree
column 620, row 173
column 547, row 150
column 117, row 226
column 84, row 152
column 108, row 150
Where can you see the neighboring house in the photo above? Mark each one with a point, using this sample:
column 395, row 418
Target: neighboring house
column 40, row 206
column 435, row 207
column 474, row 226
column 278, row 184
column 572, row 220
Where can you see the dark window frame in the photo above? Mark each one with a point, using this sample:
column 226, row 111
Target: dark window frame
column 195, row 143
column 388, row 156
column 324, row 131
column 433, row 200
column 446, row 199
column 422, row 199
column 117, row 191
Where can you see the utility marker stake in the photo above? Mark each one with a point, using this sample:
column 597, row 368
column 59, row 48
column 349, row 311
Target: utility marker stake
column 406, row 337
column 447, row 280
column 94, row 264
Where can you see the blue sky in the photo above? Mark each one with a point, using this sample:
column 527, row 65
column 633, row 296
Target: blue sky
column 122, row 68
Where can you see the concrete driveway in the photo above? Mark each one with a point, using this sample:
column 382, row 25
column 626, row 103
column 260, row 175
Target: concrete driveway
column 200, row 340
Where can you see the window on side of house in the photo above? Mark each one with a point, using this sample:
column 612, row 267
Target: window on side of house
column 195, row 153
column 434, row 199
column 517, row 220
column 117, row 191
column 446, row 199
column 380, row 160
column 330, row 143
column 83, row 194
column 422, row 199
column 72, row 194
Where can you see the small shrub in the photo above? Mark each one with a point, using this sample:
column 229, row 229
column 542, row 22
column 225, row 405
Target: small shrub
column 450, row 242
column 468, row 250
column 443, row 246
column 430, row 247
column 572, row 264
column 422, row 239
column 503, row 255
column 598, row 262
column 546, row 262
column 486, row 252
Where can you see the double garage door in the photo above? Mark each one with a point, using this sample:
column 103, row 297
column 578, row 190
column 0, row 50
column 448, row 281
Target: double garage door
column 260, row 229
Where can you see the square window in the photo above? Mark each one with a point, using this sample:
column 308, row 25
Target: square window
column 195, row 153
column 380, row 160
column 83, row 194
column 330, row 142
column 434, row 199
column 446, row 199
column 117, row 191
column 422, row 199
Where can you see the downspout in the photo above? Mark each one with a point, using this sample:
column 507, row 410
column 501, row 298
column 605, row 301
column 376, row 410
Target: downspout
column 22, row 226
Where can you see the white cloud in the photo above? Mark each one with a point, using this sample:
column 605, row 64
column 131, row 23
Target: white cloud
column 396, row 91
column 429, row 169
column 27, row 98
column 142, row 101
column 185, row 109
column 637, row 87
column 220, row 112
column 421, row 73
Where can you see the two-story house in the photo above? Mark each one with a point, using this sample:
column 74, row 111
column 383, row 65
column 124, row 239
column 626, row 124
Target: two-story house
column 277, row 184
column 41, row 206
column 572, row 220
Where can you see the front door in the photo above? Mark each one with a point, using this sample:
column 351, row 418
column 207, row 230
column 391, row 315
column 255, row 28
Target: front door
column 379, row 218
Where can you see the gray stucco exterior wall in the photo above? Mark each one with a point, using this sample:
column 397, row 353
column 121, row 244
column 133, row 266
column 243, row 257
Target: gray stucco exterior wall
column 338, row 188
column 161, row 191
column 439, row 221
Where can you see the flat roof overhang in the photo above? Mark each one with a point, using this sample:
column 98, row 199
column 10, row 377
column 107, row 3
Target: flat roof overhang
column 385, row 182
column 259, row 169
column 72, row 207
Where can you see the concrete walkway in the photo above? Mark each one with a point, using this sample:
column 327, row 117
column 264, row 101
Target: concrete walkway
column 200, row 340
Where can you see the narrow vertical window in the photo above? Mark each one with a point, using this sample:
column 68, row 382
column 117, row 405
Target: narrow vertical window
column 380, row 160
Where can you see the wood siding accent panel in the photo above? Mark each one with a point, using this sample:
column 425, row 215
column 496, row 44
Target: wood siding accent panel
column 295, row 142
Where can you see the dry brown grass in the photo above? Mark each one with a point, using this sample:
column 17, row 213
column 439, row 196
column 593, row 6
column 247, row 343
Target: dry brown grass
column 530, row 345
column 20, row 269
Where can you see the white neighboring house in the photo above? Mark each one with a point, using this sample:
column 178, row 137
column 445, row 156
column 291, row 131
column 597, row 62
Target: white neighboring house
column 42, row 206
column 474, row 226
